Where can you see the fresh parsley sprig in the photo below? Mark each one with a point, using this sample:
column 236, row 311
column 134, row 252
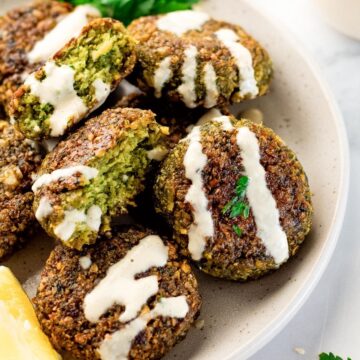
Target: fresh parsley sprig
column 330, row 356
column 128, row 10
column 237, row 206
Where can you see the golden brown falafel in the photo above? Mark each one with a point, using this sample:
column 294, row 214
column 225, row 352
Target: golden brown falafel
column 95, row 174
column 19, row 161
column 187, row 56
column 71, row 277
column 235, row 236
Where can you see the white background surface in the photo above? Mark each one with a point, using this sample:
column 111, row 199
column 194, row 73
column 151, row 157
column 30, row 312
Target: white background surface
column 330, row 320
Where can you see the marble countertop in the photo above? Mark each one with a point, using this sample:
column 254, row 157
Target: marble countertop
column 330, row 319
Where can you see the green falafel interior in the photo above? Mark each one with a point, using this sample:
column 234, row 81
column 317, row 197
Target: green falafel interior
column 109, row 180
column 76, row 81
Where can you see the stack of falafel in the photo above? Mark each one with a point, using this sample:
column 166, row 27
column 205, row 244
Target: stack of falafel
column 113, row 156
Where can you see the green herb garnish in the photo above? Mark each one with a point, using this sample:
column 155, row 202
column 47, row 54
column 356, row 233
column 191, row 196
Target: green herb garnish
column 238, row 231
column 330, row 356
column 237, row 206
column 128, row 10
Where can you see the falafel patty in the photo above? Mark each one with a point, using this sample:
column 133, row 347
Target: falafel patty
column 19, row 161
column 189, row 57
column 128, row 297
column 76, row 81
column 237, row 198
column 95, row 174
column 21, row 30
column 179, row 118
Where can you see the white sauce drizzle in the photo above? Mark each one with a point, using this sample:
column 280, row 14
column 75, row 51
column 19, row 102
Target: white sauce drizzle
column 158, row 153
column 179, row 22
column 73, row 217
column 44, row 209
column 57, row 89
column 162, row 75
column 203, row 226
column 120, row 286
column 242, row 55
column 102, row 91
column 70, row 26
column 86, row 171
column 85, row 262
column 117, row 345
column 212, row 92
column 260, row 198
column 187, row 88
column 225, row 122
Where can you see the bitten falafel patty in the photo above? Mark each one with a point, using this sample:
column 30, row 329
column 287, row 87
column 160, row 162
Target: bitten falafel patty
column 76, row 81
column 31, row 34
column 19, row 161
column 95, row 174
column 189, row 57
column 128, row 297
column 237, row 198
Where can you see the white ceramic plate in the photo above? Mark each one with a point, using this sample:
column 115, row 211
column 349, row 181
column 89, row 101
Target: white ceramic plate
column 241, row 318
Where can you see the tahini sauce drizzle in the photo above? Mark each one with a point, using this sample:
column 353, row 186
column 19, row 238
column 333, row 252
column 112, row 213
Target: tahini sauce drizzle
column 243, row 58
column 260, row 198
column 73, row 217
column 203, row 226
column 187, row 88
column 121, row 287
column 162, row 75
column 58, row 90
column 117, row 345
column 179, row 22
column 102, row 91
column 44, row 209
column 67, row 28
column 86, row 171
column 212, row 92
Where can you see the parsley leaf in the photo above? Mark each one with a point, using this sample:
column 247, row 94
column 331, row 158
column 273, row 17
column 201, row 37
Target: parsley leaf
column 238, row 231
column 241, row 186
column 237, row 206
column 237, row 209
column 229, row 205
column 128, row 10
column 330, row 356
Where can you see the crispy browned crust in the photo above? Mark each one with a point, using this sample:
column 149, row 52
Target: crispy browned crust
column 64, row 284
column 228, row 255
column 17, row 221
column 176, row 116
column 154, row 45
column 95, row 138
column 20, row 29
column 19, row 160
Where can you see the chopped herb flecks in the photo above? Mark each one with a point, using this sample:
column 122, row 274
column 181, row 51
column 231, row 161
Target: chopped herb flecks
column 237, row 205
column 237, row 230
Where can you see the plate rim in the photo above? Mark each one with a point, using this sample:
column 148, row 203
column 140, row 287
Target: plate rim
column 313, row 277
column 318, row 269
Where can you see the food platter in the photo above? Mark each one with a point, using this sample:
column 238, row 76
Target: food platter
column 240, row 318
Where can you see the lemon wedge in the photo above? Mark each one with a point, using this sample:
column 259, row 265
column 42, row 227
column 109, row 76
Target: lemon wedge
column 20, row 334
